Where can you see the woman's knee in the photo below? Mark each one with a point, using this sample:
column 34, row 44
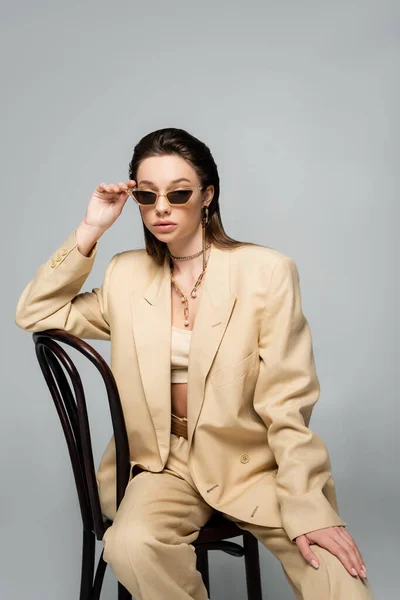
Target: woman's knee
column 337, row 578
column 126, row 544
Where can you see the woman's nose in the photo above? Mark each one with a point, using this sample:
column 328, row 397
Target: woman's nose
column 162, row 202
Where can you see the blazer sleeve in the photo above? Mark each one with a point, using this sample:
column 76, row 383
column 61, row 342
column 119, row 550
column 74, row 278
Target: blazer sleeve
column 286, row 391
column 51, row 299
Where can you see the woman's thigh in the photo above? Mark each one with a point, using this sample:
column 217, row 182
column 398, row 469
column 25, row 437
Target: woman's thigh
column 162, row 505
column 166, row 505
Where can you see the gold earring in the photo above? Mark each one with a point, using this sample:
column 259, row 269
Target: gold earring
column 204, row 223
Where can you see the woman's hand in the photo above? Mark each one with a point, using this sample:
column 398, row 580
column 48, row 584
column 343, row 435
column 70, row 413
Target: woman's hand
column 339, row 542
column 106, row 204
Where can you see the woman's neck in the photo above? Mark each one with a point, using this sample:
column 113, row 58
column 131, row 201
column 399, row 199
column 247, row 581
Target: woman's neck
column 189, row 270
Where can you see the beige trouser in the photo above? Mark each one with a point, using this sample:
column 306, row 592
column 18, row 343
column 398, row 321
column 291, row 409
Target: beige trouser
column 149, row 545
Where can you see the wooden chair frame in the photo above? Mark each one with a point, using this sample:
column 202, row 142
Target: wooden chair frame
column 71, row 407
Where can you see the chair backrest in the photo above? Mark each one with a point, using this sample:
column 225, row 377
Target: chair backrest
column 69, row 399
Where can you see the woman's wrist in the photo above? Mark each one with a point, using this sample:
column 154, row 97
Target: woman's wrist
column 86, row 237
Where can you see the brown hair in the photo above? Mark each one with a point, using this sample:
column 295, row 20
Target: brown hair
column 169, row 141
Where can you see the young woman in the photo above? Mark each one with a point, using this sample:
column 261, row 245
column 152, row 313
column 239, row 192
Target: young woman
column 214, row 363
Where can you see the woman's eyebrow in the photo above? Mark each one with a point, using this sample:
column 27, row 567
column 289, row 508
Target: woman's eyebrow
column 173, row 181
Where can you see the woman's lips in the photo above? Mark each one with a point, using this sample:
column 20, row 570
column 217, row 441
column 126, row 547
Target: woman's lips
column 169, row 227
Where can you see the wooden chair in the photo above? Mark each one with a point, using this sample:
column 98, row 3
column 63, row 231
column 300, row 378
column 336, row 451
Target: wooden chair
column 72, row 410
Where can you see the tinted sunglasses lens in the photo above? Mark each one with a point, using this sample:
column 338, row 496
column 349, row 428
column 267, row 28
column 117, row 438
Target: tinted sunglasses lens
column 149, row 198
column 179, row 196
column 146, row 198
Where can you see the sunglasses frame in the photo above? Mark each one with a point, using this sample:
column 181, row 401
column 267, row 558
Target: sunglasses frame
column 130, row 193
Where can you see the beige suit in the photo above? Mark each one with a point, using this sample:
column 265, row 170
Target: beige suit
column 252, row 382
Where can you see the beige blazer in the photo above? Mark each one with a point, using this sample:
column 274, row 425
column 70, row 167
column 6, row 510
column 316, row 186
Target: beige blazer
column 252, row 382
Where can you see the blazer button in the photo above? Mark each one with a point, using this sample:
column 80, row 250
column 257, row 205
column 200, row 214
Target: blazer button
column 53, row 263
column 64, row 252
column 244, row 458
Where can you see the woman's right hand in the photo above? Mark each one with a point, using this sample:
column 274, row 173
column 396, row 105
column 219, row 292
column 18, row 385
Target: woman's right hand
column 106, row 204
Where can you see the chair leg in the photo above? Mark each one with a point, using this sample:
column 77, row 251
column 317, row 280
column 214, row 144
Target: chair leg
column 87, row 567
column 203, row 568
column 252, row 563
column 91, row 590
column 123, row 593
column 98, row 578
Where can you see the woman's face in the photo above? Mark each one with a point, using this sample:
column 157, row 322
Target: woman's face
column 160, row 174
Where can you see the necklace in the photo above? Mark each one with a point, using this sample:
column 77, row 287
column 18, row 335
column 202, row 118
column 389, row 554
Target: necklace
column 191, row 256
column 193, row 293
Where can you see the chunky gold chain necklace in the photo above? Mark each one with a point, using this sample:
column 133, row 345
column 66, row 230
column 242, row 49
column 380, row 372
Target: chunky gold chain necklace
column 193, row 293
column 191, row 256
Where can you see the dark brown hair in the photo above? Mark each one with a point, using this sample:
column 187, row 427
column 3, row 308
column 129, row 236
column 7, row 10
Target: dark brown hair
column 169, row 141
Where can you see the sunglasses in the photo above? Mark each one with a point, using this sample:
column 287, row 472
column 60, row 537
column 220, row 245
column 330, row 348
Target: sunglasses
column 174, row 198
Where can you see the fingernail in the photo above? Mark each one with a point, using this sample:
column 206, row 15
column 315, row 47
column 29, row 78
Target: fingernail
column 314, row 563
column 354, row 571
column 364, row 570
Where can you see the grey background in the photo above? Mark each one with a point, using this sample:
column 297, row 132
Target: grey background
column 297, row 101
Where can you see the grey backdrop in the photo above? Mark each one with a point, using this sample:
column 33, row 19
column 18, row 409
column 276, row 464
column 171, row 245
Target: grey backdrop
column 297, row 101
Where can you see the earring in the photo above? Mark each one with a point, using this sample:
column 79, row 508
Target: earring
column 204, row 219
column 204, row 223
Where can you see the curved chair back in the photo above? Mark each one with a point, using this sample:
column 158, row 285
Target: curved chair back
column 69, row 399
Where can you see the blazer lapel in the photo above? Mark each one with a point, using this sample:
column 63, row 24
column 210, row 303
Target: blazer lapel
column 215, row 307
column 152, row 320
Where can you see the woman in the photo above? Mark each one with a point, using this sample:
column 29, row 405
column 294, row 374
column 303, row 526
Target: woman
column 214, row 363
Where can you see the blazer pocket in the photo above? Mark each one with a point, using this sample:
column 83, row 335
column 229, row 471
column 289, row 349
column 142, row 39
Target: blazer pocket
column 234, row 371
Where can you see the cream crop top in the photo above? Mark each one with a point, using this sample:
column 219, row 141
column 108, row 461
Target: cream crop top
column 180, row 345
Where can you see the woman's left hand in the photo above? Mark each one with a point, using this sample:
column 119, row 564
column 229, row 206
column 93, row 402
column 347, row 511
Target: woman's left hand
column 339, row 542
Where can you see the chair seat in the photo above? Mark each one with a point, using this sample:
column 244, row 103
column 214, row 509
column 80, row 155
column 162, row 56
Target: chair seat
column 218, row 528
